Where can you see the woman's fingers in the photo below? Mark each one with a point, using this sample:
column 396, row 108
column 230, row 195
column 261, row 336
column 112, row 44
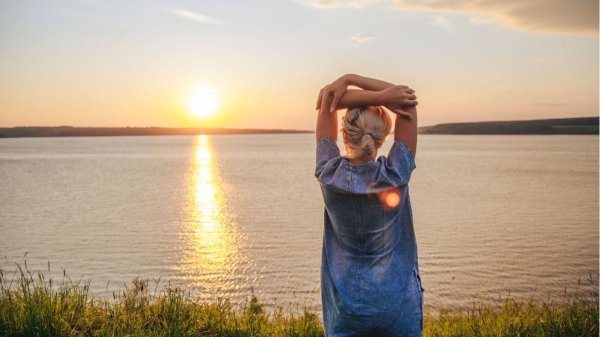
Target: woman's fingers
column 404, row 114
column 399, row 98
column 399, row 110
column 408, row 89
column 335, row 91
column 319, row 99
column 409, row 98
column 336, row 100
column 324, row 96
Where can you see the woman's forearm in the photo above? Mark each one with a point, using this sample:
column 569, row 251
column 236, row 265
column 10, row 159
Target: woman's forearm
column 359, row 98
column 366, row 83
column 405, row 130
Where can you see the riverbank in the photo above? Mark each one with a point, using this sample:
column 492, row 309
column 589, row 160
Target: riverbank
column 31, row 305
column 71, row 131
column 555, row 126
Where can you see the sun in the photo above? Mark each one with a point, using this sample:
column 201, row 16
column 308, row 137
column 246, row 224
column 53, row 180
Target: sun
column 202, row 102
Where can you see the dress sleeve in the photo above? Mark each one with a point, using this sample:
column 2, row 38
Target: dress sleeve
column 400, row 163
column 327, row 149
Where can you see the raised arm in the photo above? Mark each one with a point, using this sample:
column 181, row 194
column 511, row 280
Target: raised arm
column 338, row 88
column 366, row 83
column 405, row 130
column 327, row 120
column 356, row 98
column 400, row 99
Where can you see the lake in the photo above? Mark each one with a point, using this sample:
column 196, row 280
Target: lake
column 494, row 216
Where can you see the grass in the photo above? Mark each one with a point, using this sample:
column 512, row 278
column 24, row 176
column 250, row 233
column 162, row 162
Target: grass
column 576, row 315
column 32, row 305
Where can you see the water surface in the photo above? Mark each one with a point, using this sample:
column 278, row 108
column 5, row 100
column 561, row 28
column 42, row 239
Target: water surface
column 224, row 215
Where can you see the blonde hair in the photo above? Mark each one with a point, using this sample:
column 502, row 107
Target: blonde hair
column 366, row 129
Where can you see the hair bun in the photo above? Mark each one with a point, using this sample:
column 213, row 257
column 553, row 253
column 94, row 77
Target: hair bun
column 368, row 144
column 366, row 129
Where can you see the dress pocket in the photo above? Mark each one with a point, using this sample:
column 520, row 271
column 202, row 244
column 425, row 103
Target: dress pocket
column 418, row 280
column 419, row 293
column 419, row 283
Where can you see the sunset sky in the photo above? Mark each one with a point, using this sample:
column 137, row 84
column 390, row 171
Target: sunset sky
column 136, row 63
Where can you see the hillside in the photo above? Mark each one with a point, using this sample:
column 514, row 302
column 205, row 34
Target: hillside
column 69, row 131
column 583, row 125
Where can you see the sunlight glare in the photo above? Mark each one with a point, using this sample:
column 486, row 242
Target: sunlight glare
column 211, row 240
column 202, row 102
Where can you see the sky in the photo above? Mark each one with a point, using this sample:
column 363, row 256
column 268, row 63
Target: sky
column 136, row 63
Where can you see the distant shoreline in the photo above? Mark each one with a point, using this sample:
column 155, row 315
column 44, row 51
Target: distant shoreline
column 70, row 131
column 557, row 126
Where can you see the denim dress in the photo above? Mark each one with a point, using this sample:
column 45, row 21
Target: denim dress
column 370, row 282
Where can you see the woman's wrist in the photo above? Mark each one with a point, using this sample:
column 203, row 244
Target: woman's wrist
column 350, row 79
column 383, row 97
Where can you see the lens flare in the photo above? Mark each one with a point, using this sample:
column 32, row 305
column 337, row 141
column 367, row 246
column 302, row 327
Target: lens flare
column 390, row 198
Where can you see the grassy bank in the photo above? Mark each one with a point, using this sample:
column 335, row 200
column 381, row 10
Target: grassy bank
column 31, row 305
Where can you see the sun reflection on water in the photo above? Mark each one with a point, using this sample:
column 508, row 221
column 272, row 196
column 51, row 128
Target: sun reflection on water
column 210, row 258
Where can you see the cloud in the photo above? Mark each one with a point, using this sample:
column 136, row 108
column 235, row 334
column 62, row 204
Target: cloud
column 443, row 23
column 360, row 38
column 328, row 4
column 543, row 16
column 196, row 17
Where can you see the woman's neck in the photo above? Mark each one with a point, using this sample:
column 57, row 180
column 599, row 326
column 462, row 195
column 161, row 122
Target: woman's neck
column 361, row 160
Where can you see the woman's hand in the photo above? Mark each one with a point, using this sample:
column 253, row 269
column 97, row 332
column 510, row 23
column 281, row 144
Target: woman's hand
column 397, row 98
column 337, row 89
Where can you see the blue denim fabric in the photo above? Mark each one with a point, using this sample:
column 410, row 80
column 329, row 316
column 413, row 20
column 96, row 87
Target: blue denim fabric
column 370, row 282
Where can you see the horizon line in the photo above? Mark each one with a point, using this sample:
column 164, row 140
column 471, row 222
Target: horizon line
column 270, row 129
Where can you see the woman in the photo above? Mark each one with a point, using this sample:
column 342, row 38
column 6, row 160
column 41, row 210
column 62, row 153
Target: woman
column 370, row 280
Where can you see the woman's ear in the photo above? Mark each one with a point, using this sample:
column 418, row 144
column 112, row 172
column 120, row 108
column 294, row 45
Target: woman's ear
column 344, row 136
